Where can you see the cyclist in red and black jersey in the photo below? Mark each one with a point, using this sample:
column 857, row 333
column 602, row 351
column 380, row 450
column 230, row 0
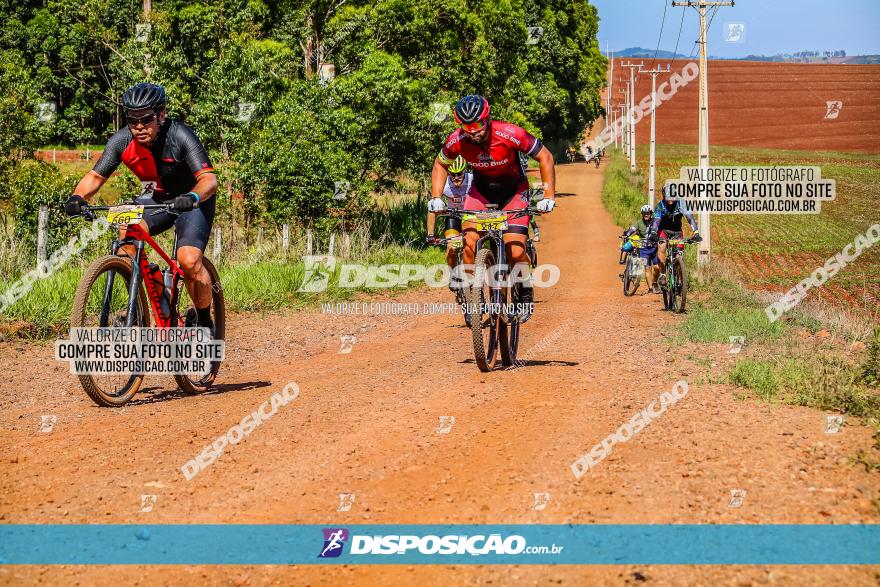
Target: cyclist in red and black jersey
column 173, row 166
column 492, row 148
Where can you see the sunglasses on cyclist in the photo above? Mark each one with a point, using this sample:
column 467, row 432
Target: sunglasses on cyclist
column 474, row 126
column 146, row 119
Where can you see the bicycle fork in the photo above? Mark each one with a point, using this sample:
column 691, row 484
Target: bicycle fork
column 132, row 309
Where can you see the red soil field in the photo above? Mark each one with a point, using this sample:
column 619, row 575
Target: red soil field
column 771, row 105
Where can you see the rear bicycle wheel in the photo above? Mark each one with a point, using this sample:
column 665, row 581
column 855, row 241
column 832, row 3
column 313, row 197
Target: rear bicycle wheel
column 486, row 325
column 195, row 384
column 101, row 301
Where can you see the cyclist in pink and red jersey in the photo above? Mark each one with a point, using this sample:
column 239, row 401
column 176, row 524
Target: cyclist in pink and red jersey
column 491, row 147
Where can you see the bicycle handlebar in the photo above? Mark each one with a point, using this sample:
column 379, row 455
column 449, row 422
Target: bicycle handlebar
column 458, row 213
column 88, row 210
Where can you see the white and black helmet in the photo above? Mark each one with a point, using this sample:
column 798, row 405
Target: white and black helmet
column 144, row 95
column 646, row 209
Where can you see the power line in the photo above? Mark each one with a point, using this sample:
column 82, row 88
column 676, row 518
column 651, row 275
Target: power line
column 660, row 37
column 680, row 26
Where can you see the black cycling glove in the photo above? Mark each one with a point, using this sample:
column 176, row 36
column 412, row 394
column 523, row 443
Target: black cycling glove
column 185, row 202
column 74, row 205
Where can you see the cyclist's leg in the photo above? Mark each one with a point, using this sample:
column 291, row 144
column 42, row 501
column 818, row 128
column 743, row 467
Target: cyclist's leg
column 451, row 227
column 515, row 242
column 474, row 201
column 661, row 255
column 517, row 228
column 193, row 230
column 650, row 257
column 662, row 250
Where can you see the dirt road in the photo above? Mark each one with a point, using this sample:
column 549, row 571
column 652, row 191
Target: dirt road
column 366, row 423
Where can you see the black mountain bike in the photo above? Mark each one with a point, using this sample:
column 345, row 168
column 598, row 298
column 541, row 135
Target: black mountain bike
column 493, row 302
column 675, row 289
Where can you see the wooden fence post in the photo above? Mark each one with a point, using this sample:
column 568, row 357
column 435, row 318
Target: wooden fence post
column 332, row 242
column 308, row 242
column 217, row 244
column 42, row 236
column 285, row 238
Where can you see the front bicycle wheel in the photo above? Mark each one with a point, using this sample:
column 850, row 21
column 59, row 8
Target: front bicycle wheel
column 194, row 384
column 101, row 300
column 509, row 331
column 678, row 293
column 486, row 325
column 631, row 278
column 666, row 289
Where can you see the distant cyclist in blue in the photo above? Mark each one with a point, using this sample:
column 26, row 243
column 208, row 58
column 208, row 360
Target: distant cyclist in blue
column 667, row 224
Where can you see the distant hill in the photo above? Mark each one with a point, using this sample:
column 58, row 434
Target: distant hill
column 799, row 57
column 641, row 52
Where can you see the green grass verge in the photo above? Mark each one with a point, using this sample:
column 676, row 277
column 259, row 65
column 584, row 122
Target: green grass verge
column 825, row 382
column 720, row 306
column 262, row 286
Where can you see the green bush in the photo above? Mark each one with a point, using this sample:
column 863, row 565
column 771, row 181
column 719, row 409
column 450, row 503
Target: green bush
column 869, row 373
column 34, row 184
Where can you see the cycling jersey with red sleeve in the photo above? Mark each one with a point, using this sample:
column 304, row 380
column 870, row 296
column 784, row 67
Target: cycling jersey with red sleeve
column 168, row 168
column 496, row 165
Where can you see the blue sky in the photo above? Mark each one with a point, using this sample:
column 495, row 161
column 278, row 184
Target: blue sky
column 771, row 26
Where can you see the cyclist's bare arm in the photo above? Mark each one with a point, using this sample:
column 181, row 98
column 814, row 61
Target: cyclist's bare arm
column 438, row 182
column 548, row 171
column 206, row 185
column 89, row 185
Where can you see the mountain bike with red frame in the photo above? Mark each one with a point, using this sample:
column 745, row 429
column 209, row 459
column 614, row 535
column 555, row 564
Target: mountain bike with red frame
column 118, row 291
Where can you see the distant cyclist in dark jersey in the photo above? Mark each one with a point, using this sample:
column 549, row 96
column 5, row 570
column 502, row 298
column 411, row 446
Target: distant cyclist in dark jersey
column 492, row 148
column 668, row 215
column 173, row 166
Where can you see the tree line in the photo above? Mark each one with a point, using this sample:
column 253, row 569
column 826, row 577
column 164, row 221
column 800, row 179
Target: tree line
column 256, row 80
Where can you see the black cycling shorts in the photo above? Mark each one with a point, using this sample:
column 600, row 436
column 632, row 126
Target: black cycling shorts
column 193, row 228
column 451, row 223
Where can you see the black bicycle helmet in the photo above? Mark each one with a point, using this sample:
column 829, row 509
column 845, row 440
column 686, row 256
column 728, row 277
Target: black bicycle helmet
column 144, row 95
column 471, row 108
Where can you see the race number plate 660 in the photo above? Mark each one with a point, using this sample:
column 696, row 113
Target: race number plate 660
column 125, row 215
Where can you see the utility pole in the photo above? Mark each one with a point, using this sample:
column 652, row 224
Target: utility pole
column 704, row 252
column 625, row 116
column 613, row 114
column 653, row 165
column 629, row 114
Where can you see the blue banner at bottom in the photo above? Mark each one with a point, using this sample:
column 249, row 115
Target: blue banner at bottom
column 494, row 544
